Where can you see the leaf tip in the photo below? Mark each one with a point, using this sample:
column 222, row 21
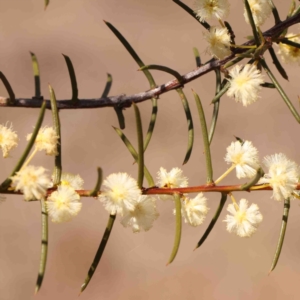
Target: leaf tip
column 37, row 288
column 270, row 271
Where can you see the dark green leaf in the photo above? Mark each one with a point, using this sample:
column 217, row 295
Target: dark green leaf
column 140, row 139
column 72, row 78
column 177, row 228
column 9, row 89
column 131, row 52
column 192, row 13
column 164, row 69
column 209, row 169
column 197, row 57
column 56, row 124
column 213, row 221
column 97, row 187
column 44, row 246
column 285, row 216
column 190, row 124
column 134, row 155
column 36, row 74
column 99, row 252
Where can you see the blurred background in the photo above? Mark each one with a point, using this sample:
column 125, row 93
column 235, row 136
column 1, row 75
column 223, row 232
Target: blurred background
column 134, row 265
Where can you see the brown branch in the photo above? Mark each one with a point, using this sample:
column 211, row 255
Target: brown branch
column 125, row 101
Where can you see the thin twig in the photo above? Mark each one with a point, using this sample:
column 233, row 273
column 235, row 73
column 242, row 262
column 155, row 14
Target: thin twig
column 126, row 101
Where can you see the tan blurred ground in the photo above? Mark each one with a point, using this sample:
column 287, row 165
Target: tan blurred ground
column 133, row 265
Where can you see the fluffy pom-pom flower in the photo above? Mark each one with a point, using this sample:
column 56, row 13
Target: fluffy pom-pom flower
column 219, row 42
column 143, row 215
column 71, row 180
column 8, row 139
column 243, row 220
column 206, row 9
column 120, row 193
column 260, row 9
column 245, row 84
column 63, row 204
column 32, row 181
column 283, row 175
column 195, row 210
column 245, row 158
column 172, row 179
column 47, row 140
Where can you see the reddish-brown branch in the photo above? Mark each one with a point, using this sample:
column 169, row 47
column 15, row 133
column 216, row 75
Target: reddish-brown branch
column 123, row 101
column 185, row 190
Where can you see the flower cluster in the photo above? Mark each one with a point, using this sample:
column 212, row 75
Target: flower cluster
column 34, row 182
column 282, row 176
column 64, row 203
column 121, row 195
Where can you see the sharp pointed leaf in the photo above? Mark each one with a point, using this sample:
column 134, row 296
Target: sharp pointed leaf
column 177, row 228
column 72, row 78
column 9, row 89
column 44, row 246
column 190, row 124
column 192, row 13
column 277, row 64
column 285, row 216
column 134, row 155
column 46, row 3
column 164, row 69
column 140, row 139
column 99, row 252
column 197, row 57
column 36, row 74
column 56, row 124
column 213, row 221
column 131, row 52
column 151, row 123
column 97, row 187
column 209, row 170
